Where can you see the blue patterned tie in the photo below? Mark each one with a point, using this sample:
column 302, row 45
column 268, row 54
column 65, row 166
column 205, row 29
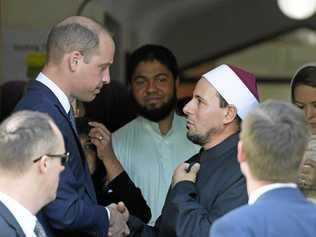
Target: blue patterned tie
column 39, row 230
column 71, row 116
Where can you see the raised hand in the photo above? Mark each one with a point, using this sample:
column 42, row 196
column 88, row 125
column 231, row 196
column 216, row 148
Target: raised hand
column 101, row 137
column 182, row 173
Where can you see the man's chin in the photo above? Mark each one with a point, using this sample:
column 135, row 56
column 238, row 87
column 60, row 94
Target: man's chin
column 87, row 98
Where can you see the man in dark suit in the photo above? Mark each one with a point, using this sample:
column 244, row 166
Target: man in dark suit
column 32, row 157
column 270, row 151
column 80, row 52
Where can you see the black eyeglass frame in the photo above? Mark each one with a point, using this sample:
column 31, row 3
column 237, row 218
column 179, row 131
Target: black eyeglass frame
column 63, row 157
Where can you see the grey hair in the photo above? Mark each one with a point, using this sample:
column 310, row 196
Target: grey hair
column 25, row 136
column 275, row 136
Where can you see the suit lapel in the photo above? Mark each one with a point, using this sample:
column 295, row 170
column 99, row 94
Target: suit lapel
column 54, row 100
column 10, row 219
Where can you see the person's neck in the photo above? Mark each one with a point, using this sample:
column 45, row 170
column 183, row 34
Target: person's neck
column 57, row 75
column 253, row 185
column 21, row 192
column 251, row 181
column 219, row 137
column 166, row 124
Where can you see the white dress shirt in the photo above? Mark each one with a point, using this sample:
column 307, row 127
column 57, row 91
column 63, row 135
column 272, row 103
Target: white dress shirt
column 61, row 96
column 23, row 216
column 150, row 157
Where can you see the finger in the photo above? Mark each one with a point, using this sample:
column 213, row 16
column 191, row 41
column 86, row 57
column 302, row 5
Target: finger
column 310, row 162
column 195, row 168
column 99, row 135
column 185, row 166
column 305, row 169
column 99, row 126
column 121, row 207
column 97, row 131
column 126, row 231
column 304, row 176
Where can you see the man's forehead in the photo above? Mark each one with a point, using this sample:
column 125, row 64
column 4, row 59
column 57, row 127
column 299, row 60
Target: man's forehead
column 204, row 88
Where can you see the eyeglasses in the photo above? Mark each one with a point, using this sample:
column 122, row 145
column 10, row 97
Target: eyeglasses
column 63, row 157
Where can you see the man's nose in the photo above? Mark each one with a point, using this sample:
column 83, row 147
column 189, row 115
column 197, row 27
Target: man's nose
column 106, row 77
column 151, row 86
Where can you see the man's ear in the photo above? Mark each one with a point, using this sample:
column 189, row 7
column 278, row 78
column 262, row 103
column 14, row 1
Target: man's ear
column 231, row 114
column 43, row 164
column 74, row 60
column 241, row 156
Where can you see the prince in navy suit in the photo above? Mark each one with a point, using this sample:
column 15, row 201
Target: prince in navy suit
column 271, row 147
column 80, row 52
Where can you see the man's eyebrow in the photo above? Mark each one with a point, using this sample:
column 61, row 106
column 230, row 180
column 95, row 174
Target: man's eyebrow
column 199, row 97
column 300, row 102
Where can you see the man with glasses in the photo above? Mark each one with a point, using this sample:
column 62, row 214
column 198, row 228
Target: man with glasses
column 32, row 157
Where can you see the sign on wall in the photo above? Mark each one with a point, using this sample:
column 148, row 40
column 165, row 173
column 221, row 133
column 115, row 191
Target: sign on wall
column 23, row 53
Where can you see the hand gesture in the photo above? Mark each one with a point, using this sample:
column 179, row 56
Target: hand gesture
column 181, row 173
column 101, row 137
column 118, row 220
column 307, row 174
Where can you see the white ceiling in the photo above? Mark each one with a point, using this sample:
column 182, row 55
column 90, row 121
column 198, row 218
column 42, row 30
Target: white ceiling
column 196, row 30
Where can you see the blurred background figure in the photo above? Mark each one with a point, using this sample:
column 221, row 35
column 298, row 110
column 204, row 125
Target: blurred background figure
column 120, row 188
column 11, row 92
column 303, row 95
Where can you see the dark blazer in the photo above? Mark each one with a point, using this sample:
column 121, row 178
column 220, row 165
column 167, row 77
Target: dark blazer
column 9, row 227
column 279, row 212
column 75, row 211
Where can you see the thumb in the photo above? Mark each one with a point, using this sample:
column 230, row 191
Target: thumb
column 195, row 168
column 121, row 207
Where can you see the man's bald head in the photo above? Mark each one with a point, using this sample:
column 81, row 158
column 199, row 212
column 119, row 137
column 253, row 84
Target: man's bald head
column 75, row 33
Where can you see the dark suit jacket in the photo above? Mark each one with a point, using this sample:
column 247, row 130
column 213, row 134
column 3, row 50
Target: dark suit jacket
column 279, row 212
column 190, row 208
column 9, row 227
column 75, row 209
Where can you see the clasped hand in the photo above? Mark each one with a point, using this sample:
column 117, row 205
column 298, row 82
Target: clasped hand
column 118, row 220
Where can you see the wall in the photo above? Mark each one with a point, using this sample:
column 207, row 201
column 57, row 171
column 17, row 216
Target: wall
column 26, row 23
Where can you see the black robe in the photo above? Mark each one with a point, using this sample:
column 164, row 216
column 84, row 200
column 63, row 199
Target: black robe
column 190, row 208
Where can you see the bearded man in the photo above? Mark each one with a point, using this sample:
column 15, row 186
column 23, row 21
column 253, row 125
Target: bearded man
column 151, row 146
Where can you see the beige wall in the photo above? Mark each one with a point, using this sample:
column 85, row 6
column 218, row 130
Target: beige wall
column 1, row 47
column 40, row 15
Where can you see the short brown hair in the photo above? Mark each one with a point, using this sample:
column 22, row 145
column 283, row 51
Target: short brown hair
column 274, row 138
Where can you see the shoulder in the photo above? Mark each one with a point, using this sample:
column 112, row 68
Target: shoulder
column 7, row 228
column 235, row 223
column 128, row 129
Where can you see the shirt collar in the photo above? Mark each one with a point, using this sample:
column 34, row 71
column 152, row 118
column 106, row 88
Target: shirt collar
column 23, row 216
column 218, row 151
column 256, row 194
column 154, row 126
column 61, row 96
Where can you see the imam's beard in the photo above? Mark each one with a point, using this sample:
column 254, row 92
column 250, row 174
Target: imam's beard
column 157, row 114
column 201, row 139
